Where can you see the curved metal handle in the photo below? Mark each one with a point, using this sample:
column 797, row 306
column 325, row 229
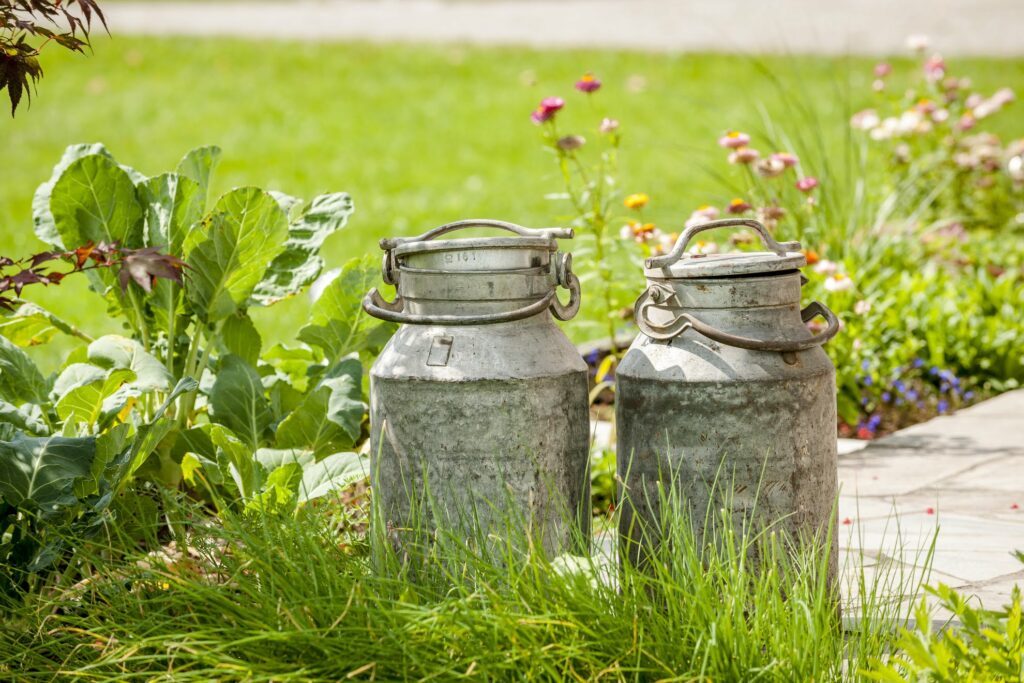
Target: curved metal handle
column 679, row 250
column 393, row 311
column 685, row 321
column 551, row 233
column 567, row 311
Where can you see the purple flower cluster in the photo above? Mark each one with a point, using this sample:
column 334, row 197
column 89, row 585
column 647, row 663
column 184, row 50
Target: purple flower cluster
column 910, row 388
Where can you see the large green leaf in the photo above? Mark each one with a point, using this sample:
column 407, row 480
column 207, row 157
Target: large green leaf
column 27, row 418
column 241, row 337
column 41, row 472
column 237, row 462
column 329, row 419
column 229, row 252
column 299, row 264
column 121, row 353
column 198, row 165
column 32, row 325
column 75, row 375
column 172, row 203
column 272, row 458
column 337, row 324
column 238, row 402
column 86, row 401
column 94, row 200
column 20, row 379
column 331, row 474
column 42, row 217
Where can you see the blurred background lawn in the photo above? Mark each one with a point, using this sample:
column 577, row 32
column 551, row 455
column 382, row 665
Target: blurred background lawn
column 419, row 135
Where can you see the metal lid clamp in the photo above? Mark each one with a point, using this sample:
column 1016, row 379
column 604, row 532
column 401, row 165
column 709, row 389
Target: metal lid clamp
column 784, row 256
column 561, row 265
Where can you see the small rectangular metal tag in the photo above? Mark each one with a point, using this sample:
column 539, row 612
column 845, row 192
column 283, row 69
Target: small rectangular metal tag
column 440, row 349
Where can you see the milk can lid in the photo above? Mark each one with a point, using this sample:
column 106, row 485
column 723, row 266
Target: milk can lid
column 677, row 263
column 529, row 249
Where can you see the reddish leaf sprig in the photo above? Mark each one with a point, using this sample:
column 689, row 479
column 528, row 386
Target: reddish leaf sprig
column 141, row 266
column 23, row 20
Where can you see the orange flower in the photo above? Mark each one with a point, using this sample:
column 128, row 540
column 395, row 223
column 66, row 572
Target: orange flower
column 636, row 201
column 811, row 256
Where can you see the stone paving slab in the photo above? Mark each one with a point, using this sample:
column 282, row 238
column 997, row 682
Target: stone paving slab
column 957, row 481
column 872, row 27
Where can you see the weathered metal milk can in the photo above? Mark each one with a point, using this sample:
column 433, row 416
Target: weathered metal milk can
column 726, row 397
column 478, row 404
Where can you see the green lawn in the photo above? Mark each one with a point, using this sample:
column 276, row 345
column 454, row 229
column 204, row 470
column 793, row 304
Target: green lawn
column 419, row 135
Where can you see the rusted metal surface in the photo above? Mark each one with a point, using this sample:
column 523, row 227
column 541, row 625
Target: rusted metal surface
column 478, row 404
column 700, row 416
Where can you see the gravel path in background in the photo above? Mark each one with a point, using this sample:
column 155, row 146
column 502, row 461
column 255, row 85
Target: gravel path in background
column 981, row 27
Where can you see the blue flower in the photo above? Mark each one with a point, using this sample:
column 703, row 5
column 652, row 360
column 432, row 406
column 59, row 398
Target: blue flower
column 969, row 395
column 918, row 363
column 933, row 370
column 943, row 406
column 864, row 400
column 867, row 381
column 886, row 397
column 899, row 386
column 899, row 401
column 912, row 395
column 874, row 422
column 864, row 364
column 591, row 357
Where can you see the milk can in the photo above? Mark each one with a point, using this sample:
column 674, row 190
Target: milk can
column 478, row 404
column 726, row 397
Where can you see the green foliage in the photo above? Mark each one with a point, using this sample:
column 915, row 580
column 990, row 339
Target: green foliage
column 131, row 399
column 56, row 491
column 332, row 328
column 229, row 252
column 986, row 646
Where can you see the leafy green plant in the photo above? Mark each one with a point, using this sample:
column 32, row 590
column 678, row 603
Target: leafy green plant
column 258, row 428
column 985, row 645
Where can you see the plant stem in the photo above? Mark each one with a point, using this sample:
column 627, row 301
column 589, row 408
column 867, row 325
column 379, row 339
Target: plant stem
column 142, row 328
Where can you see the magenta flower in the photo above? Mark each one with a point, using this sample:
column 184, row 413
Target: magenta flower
column 547, row 109
column 734, row 140
column 807, row 184
column 588, row 83
column 883, row 69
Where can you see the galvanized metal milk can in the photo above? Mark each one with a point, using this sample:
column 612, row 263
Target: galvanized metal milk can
column 478, row 404
column 726, row 397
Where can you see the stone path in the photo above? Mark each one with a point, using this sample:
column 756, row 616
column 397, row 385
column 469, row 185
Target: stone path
column 988, row 27
column 957, row 480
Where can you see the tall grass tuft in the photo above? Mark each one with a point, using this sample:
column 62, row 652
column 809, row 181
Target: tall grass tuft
column 289, row 598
